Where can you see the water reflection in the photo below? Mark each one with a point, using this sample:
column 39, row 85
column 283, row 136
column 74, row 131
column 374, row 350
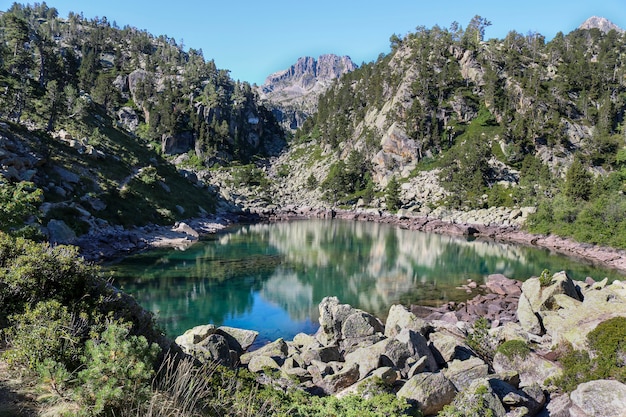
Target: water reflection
column 271, row 277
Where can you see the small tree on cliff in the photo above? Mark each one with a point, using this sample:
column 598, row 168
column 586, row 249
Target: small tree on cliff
column 392, row 194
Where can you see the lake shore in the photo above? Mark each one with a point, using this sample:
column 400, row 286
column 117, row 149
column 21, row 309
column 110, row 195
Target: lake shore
column 109, row 244
column 594, row 254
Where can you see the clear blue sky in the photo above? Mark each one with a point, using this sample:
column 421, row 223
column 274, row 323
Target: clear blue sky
column 254, row 38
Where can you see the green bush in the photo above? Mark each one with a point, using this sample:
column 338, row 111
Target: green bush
column 34, row 272
column 379, row 405
column 47, row 332
column 545, row 279
column 514, row 348
column 605, row 359
column 608, row 342
column 118, row 370
column 17, row 201
column 480, row 341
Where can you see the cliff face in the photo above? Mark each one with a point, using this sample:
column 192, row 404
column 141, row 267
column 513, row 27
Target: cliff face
column 292, row 94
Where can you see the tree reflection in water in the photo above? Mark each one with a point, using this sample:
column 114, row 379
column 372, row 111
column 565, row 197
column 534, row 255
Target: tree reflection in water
column 271, row 277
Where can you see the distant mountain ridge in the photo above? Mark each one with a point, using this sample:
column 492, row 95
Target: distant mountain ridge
column 601, row 23
column 293, row 93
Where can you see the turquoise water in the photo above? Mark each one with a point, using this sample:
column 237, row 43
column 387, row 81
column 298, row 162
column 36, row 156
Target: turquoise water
column 271, row 277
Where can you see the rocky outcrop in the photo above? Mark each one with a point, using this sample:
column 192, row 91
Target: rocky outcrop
column 179, row 143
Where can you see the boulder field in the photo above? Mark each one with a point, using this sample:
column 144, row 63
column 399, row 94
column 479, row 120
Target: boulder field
column 435, row 357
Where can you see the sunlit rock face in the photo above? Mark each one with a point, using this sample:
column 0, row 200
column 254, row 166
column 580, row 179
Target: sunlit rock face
column 293, row 93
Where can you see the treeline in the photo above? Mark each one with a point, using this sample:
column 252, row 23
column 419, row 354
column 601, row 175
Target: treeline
column 53, row 70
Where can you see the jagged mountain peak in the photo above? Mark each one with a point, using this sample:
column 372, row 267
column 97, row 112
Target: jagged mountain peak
column 601, row 23
column 293, row 92
column 307, row 71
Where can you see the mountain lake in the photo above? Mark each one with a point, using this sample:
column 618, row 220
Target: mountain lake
column 271, row 277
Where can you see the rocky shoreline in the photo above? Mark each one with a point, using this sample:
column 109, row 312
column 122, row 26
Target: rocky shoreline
column 439, row 359
column 510, row 233
column 115, row 242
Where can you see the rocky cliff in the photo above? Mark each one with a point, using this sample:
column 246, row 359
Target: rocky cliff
column 293, row 93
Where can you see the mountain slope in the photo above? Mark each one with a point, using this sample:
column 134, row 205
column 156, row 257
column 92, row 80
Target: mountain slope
column 91, row 113
column 495, row 123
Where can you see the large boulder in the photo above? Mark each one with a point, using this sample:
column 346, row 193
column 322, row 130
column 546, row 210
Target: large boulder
column 332, row 316
column 278, row 350
column 368, row 358
column 213, row 349
column 360, row 325
column 60, row 232
column 479, row 399
column 447, row 346
column 239, row 340
column 575, row 320
column 406, row 349
column 605, row 398
column 462, row 373
column 532, row 368
column 195, row 335
column 338, row 381
column 537, row 298
column 400, row 318
column 341, row 324
column 127, row 117
column 429, row 391
column 195, row 342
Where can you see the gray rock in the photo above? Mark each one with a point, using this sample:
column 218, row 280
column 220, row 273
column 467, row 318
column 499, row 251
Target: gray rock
column 447, row 347
column 213, row 349
column 430, row 391
column 239, row 340
column 406, row 348
column 536, row 299
column 605, row 398
column 67, row 176
column 462, row 373
column 368, row 358
column 511, row 397
column 359, row 325
column 59, row 232
column 332, row 315
column 323, row 354
column 400, row 318
column 303, row 340
column 128, row 118
column 558, row 406
column 277, row 350
column 195, row 335
column 528, row 319
column 262, row 363
column 532, row 369
column 342, row 379
column 179, row 143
